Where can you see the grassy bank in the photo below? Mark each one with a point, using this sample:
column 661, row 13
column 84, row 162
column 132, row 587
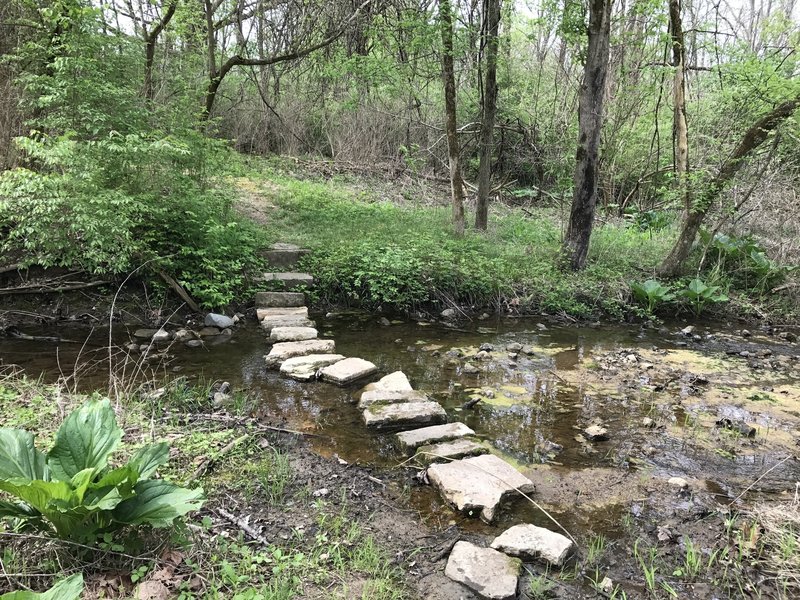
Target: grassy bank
column 383, row 247
column 312, row 545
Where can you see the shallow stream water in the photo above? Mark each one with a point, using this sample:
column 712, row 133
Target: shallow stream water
column 533, row 409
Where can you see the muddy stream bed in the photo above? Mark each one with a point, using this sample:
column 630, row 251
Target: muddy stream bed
column 715, row 407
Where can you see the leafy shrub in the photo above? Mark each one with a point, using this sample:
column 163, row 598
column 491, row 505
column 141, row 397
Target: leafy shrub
column 745, row 259
column 70, row 588
column 75, row 492
column 700, row 295
column 651, row 293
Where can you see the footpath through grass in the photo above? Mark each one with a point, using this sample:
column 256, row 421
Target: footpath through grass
column 381, row 254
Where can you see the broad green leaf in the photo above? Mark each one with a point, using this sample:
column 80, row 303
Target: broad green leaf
column 16, row 510
column 158, row 503
column 70, row 588
column 19, row 456
column 85, row 440
column 40, row 495
column 147, row 460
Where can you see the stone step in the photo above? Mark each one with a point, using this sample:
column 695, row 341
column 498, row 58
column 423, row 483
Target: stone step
column 285, row 256
column 304, row 368
column 530, row 542
column 295, row 311
column 489, row 573
column 382, row 396
column 280, row 299
column 347, row 371
column 479, row 484
column 271, row 322
column 292, row 334
column 405, row 415
column 411, row 440
column 289, row 281
column 285, row 350
column 395, row 382
column 448, row 451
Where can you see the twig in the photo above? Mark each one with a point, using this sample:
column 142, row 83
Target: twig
column 38, row 289
column 764, row 474
column 446, row 550
column 210, row 462
column 182, row 293
column 244, row 526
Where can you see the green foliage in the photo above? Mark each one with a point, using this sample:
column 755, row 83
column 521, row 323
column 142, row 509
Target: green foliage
column 75, row 492
column 651, row 293
column 70, row 588
column 744, row 259
column 700, row 295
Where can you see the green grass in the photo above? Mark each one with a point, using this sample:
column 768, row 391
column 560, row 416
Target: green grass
column 382, row 255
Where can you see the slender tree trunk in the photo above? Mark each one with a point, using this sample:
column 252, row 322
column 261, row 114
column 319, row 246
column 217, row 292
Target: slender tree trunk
column 456, row 183
column 492, row 16
column 752, row 139
column 590, row 121
column 150, row 41
column 680, row 127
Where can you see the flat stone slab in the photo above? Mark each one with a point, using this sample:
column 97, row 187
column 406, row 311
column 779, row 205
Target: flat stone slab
column 404, row 415
column 347, row 371
column 292, row 334
column 489, row 573
column 530, row 542
column 481, row 483
column 285, row 350
column 304, row 368
column 280, row 299
column 284, row 255
column 411, row 440
column 290, row 281
column 270, row 322
column 282, row 312
column 390, row 397
column 447, row 451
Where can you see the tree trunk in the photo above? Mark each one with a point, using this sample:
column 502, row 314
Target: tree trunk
column 679, row 124
column 492, row 16
column 448, row 76
column 693, row 218
column 590, row 121
column 150, row 40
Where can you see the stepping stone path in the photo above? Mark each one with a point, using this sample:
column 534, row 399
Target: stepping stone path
column 469, row 478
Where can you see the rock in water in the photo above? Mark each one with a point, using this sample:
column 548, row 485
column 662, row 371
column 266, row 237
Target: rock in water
column 217, row 320
column 446, row 451
column 411, row 440
column 292, row 334
column 491, row 574
column 304, row 368
column 448, row 313
column 347, row 371
column 530, row 542
column 481, row 483
column 286, row 350
column 596, row 433
column 404, row 415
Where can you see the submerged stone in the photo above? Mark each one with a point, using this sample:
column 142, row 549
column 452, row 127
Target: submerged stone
column 411, row 440
column 530, row 542
column 304, row 368
column 489, row 573
column 480, row 484
column 285, row 350
column 292, row 334
column 347, row 371
column 404, row 415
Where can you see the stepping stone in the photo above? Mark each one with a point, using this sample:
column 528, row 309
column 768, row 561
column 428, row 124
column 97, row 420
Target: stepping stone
column 481, row 483
column 285, row 350
column 390, row 397
column 304, row 368
column 280, row 299
column 489, row 573
column 395, row 382
column 347, row 371
column 292, row 334
column 293, row 312
column 284, row 256
column 404, row 415
column 290, row 281
column 530, row 542
column 411, row 440
column 446, row 451
column 268, row 323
